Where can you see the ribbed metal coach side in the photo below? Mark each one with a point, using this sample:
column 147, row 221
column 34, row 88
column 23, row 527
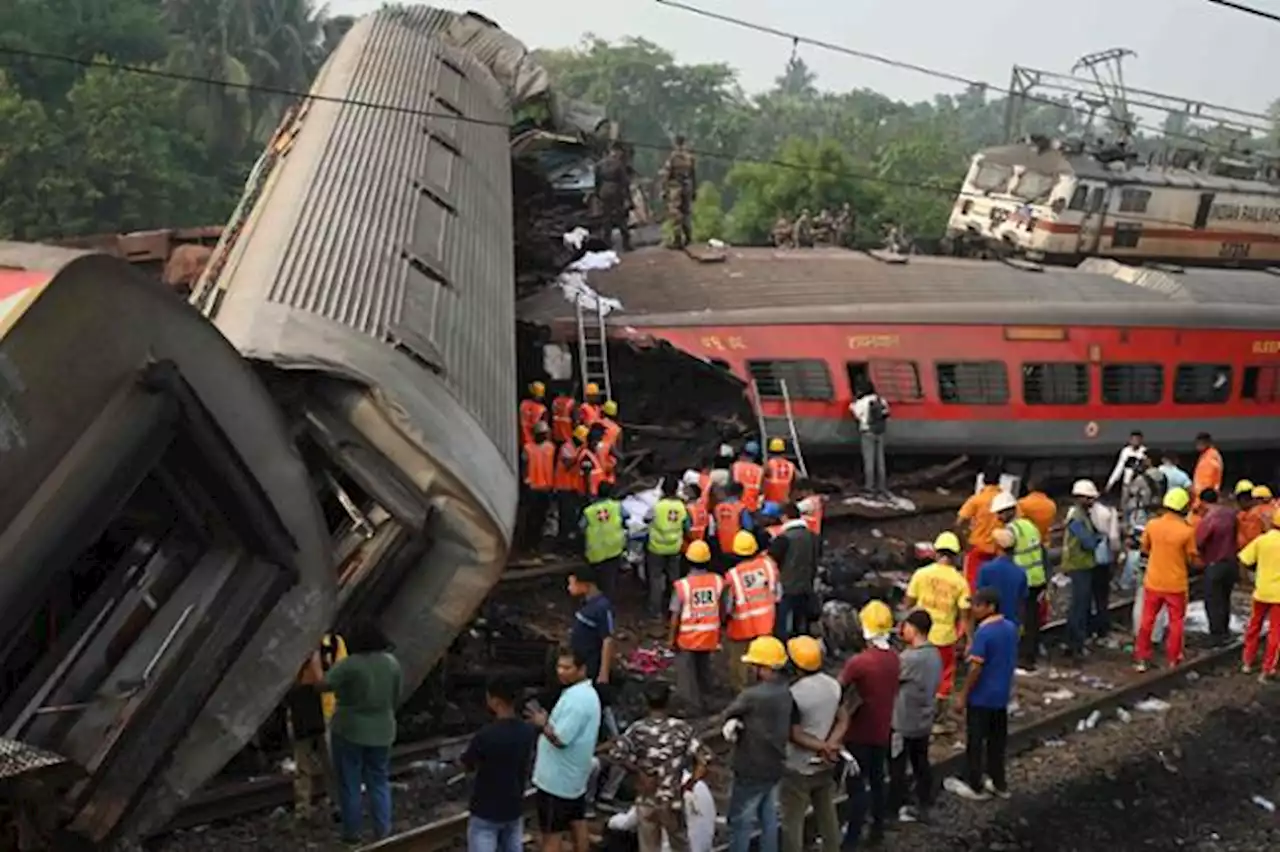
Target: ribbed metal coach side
column 371, row 271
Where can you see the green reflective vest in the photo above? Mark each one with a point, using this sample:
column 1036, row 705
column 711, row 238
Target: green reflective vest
column 1075, row 556
column 605, row 536
column 666, row 530
column 1028, row 553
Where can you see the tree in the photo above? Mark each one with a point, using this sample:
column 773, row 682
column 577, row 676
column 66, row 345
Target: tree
column 707, row 214
column 27, row 197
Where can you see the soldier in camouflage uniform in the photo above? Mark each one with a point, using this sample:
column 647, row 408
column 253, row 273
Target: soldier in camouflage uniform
column 658, row 751
column 802, row 233
column 782, row 232
column 680, row 180
column 613, row 188
column 844, row 226
column 823, row 227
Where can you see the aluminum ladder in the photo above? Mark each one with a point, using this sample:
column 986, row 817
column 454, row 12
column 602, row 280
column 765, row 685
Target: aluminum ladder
column 593, row 348
column 791, row 424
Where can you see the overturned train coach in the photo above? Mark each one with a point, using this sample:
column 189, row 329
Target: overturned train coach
column 191, row 501
column 1003, row 358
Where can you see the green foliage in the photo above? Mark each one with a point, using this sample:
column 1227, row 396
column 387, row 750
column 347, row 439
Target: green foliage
column 707, row 214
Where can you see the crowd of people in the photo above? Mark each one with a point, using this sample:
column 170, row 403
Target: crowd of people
column 731, row 560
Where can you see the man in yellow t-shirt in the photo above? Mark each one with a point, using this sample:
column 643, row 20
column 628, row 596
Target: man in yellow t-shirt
column 940, row 590
column 1264, row 554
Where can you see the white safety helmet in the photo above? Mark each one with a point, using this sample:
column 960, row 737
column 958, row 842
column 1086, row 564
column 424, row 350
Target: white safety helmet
column 1003, row 501
column 1084, row 488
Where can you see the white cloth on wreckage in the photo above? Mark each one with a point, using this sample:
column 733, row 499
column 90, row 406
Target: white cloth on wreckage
column 700, row 811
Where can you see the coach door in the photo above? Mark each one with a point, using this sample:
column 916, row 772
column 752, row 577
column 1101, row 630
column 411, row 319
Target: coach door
column 1095, row 212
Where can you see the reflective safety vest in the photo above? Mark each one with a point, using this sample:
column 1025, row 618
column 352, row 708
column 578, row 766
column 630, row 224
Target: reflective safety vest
column 532, row 412
column 750, row 476
column 704, row 486
column 608, row 462
column 779, row 473
column 753, row 588
column 698, row 521
column 612, row 432
column 568, row 478
column 666, row 530
column 605, row 536
column 1075, row 556
column 699, row 595
column 588, row 414
column 590, row 480
column 813, row 518
column 539, row 466
column 562, row 418
column 728, row 523
column 1028, row 552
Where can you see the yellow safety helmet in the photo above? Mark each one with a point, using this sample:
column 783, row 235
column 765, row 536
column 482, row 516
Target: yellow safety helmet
column 698, row 552
column 610, row 408
column 1177, row 499
column 581, row 433
column 1244, row 487
column 766, row 651
column 947, row 541
column 744, row 544
column 777, row 445
column 537, row 389
column 876, row 618
column 805, row 652
column 592, row 389
column 1260, row 492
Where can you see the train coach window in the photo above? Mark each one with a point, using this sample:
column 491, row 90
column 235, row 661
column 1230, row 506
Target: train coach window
column 1134, row 200
column 806, row 378
column 1132, row 384
column 973, row 383
column 1079, row 198
column 1055, row 384
column 1198, row 384
column 896, row 381
column 1126, row 235
column 1261, row 384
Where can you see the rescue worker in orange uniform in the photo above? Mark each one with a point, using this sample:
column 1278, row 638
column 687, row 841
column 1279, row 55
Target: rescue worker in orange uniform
column 978, row 524
column 1246, row 527
column 1208, row 470
column 1260, row 507
column 753, row 592
column 697, row 603
column 731, row 517
column 563, row 411
column 612, row 429
column 570, row 487
column 1170, row 544
column 589, row 411
column 699, row 517
column 539, row 461
column 594, row 465
column 779, row 474
column 747, row 473
column 812, row 505
column 532, row 411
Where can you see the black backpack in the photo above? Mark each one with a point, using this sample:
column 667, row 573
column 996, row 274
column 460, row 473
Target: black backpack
column 877, row 416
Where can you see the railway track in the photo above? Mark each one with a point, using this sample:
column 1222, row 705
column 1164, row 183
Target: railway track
column 449, row 832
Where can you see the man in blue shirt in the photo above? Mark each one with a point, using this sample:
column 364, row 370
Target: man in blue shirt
column 1006, row 577
column 984, row 700
column 566, row 745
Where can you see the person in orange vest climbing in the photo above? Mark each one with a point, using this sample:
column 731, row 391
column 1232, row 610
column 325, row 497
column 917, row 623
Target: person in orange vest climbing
column 731, row 517
column 699, row 517
column 570, row 487
column 563, row 411
column 696, row 610
column 539, row 461
column 589, row 411
column 779, row 473
column 612, row 428
column 753, row 595
column 533, row 410
column 750, row 476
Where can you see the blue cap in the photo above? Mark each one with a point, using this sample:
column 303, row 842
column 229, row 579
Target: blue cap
column 771, row 510
column 752, row 448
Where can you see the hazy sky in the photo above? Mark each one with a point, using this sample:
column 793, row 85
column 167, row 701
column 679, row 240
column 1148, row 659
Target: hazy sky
column 1189, row 48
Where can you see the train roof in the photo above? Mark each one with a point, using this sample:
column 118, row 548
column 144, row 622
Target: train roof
column 762, row 286
column 1053, row 162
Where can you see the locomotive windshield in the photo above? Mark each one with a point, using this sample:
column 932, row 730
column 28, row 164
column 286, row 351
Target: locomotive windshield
column 992, row 177
column 1033, row 186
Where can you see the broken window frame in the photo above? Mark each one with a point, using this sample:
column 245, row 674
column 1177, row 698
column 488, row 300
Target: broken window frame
column 896, row 379
column 807, row 379
column 1198, row 384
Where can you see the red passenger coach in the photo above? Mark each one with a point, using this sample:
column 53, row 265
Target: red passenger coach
column 973, row 356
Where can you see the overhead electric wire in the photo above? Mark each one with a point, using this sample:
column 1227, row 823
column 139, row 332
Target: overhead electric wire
column 1248, row 10
column 732, row 158
column 796, row 38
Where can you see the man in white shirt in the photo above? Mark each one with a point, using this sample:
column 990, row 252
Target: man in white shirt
column 1106, row 520
column 872, row 413
column 1135, row 449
